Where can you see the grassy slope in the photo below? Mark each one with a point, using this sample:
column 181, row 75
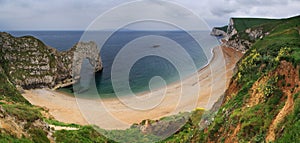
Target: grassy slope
column 262, row 59
column 224, row 28
column 241, row 24
column 14, row 105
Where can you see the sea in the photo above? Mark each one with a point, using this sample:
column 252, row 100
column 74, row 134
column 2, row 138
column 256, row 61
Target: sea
column 144, row 69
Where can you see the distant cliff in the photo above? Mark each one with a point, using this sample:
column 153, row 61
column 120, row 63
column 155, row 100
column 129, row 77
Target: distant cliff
column 29, row 63
column 241, row 33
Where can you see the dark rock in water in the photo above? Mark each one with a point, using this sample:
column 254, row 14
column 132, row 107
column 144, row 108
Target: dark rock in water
column 155, row 46
column 29, row 63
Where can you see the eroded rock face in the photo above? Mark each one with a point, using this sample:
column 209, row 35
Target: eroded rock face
column 232, row 38
column 218, row 32
column 29, row 63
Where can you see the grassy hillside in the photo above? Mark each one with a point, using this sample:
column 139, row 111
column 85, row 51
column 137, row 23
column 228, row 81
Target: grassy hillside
column 241, row 24
column 262, row 102
column 8, row 91
column 224, row 28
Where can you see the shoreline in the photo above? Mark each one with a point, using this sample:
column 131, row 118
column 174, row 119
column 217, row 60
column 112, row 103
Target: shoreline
column 145, row 92
column 110, row 115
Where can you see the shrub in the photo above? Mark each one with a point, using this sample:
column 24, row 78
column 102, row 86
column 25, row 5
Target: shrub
column 23, row 111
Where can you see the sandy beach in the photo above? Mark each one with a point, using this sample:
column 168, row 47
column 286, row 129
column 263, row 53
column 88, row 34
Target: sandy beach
column 199, row 90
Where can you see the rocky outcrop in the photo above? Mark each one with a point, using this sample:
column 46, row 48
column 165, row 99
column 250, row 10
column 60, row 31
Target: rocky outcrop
column 217, row 32
column 239, row 40
column 29, row 63
column 19, row 127
column 237, row 43
column 231, row 28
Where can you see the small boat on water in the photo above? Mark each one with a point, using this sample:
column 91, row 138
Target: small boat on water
column 155, row 46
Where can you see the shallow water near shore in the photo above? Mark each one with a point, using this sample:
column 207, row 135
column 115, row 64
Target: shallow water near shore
column 145, row 68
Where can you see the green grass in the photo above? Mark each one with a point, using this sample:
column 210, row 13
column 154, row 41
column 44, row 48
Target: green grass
column 23, row 112
column 190, row 131
column 86, row 134
column 224, row 28
column 241, row 24
column 6, row 138
column 38, row 135
column 290, row 126
column 8, row 91
column 57, row 123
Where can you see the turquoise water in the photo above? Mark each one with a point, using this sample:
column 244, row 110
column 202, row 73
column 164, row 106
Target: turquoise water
column 144, row 69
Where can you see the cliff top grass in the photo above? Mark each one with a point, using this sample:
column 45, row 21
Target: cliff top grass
column 224, row 28
column 241, row 24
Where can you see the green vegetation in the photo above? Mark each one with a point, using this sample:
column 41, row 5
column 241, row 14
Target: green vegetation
column 290, row 126
column 259, row 62
column 57, row 123
column 6, row 138
column 157, row 131
column 8, row 91
column 190, row 131
column 38, row 136
column 23, row 112
column 86, row 134
column 241, row 24
column 224, row 28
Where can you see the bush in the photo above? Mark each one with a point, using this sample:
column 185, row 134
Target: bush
column 57, row 123
column 86, row 134
column 38, row 136
column 6, row 138
column 23, row 112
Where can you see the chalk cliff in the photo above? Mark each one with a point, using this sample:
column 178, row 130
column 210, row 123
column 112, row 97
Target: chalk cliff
column 29, row 63
column 238, row 35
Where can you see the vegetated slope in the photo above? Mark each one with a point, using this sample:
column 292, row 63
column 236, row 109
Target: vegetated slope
column 241, row 24
column 19, row 121
column 241, row 33
column 262, row 102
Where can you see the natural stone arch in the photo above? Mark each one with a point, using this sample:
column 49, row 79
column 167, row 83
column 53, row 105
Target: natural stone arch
column 89, row 51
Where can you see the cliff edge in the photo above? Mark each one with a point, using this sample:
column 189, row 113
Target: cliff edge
column 29, row 63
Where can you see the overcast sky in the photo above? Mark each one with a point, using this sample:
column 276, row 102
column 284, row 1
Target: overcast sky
column 79, row 14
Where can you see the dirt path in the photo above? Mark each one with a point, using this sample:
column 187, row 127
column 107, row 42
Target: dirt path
column 288, row 107
column 57, row 128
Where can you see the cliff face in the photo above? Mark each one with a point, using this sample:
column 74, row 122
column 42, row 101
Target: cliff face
column 239, row 35
column 218, row 32
column 29, row 63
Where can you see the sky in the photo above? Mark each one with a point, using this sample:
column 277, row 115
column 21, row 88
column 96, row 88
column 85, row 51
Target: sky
column 79, row 14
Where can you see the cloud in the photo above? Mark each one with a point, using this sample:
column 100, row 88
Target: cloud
column 78, row 14
column 256, row 8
